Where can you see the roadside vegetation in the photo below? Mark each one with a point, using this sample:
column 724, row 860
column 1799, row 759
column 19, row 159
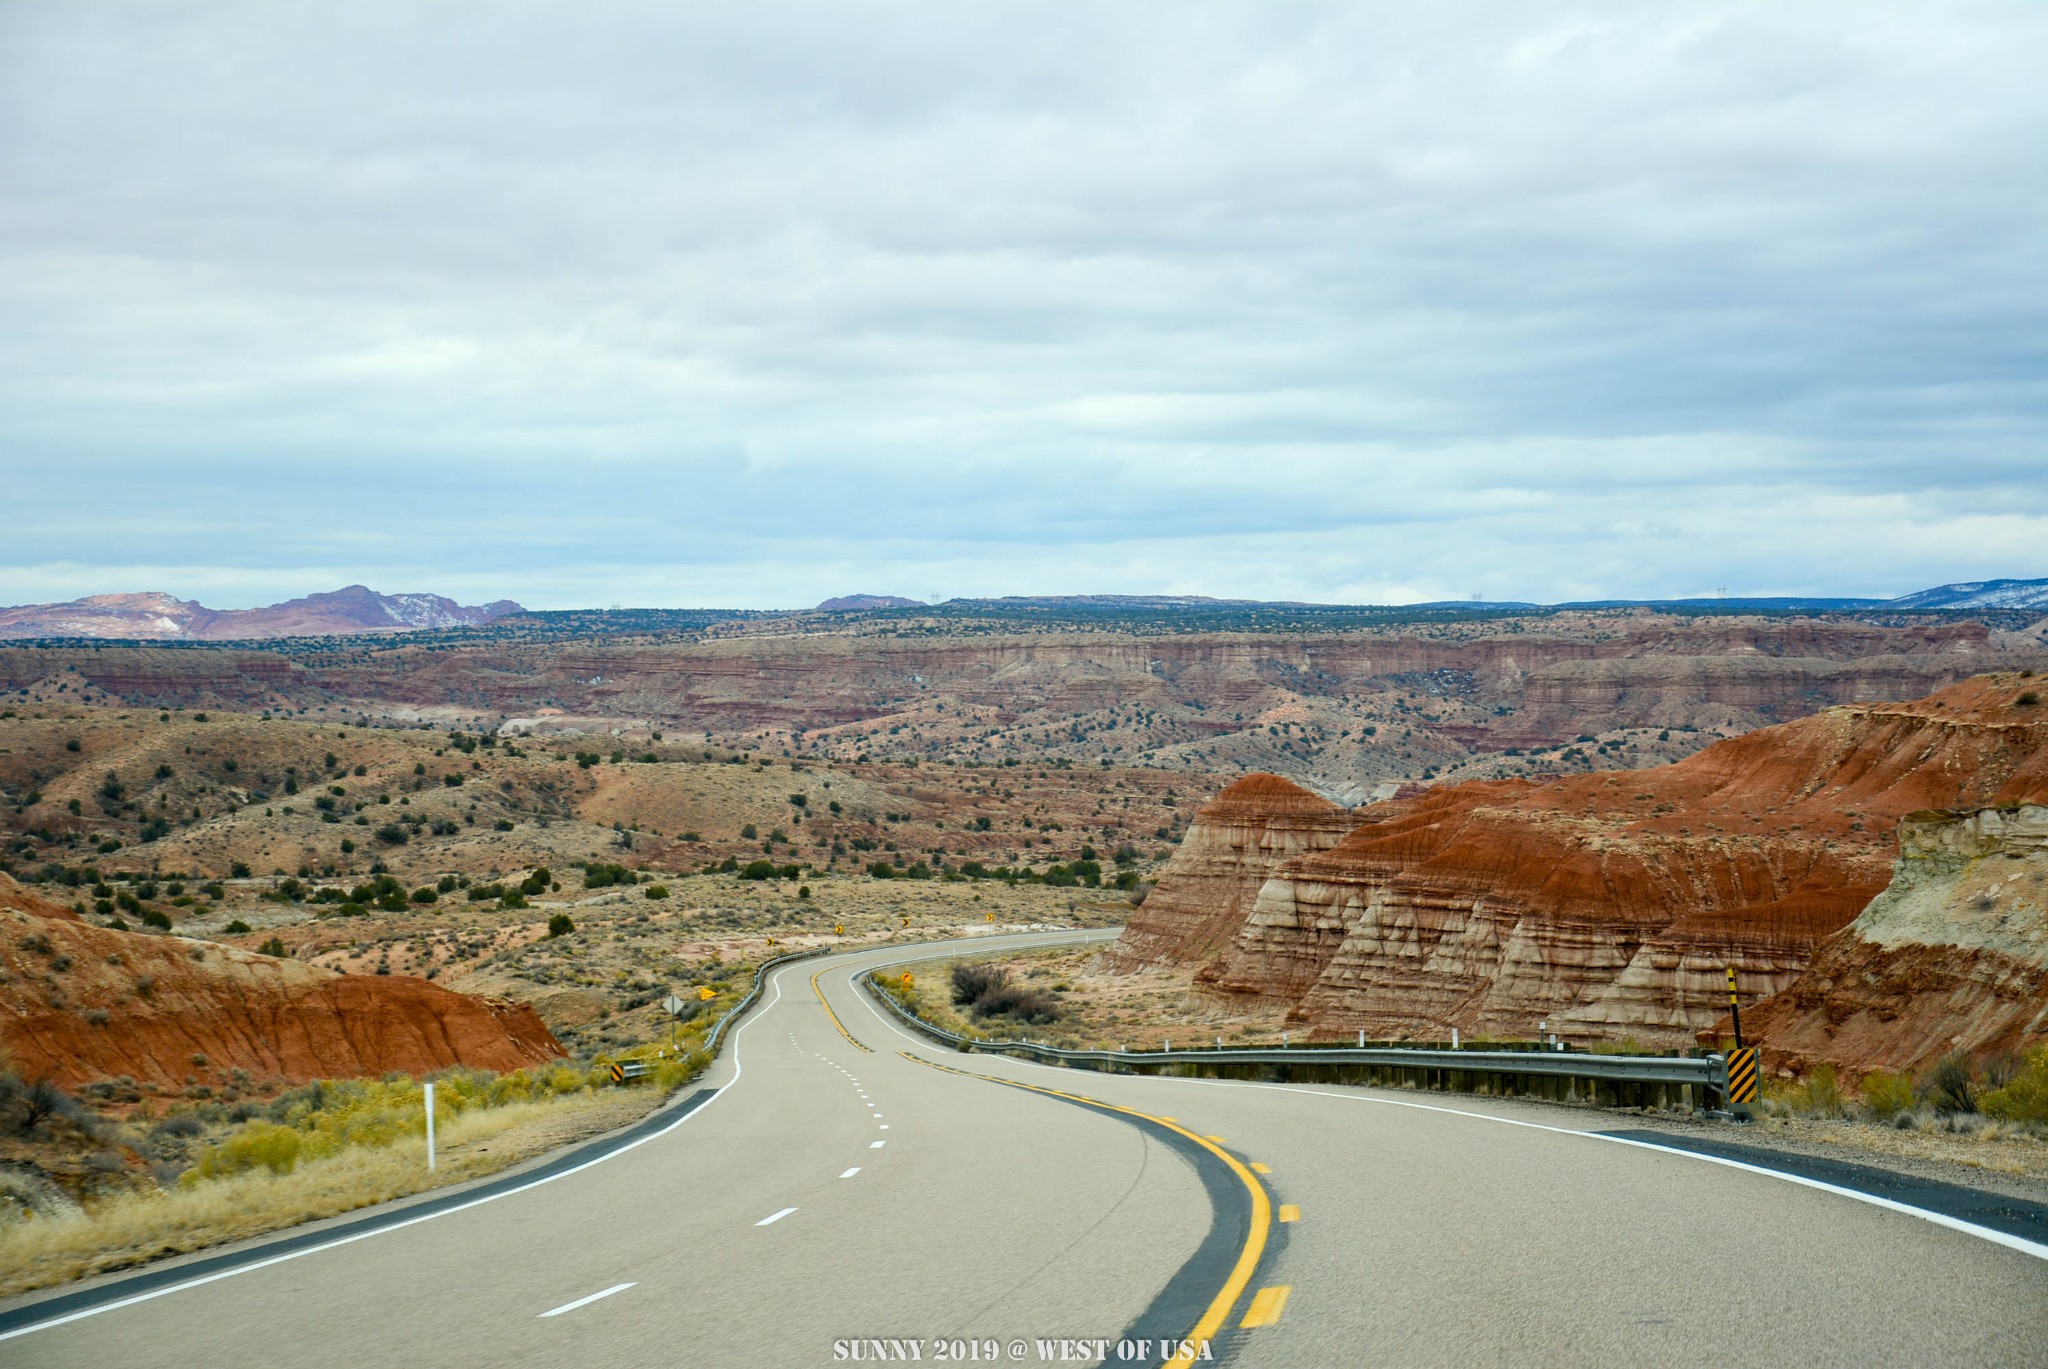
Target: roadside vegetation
column 205, row 1174
column 1996, row 1093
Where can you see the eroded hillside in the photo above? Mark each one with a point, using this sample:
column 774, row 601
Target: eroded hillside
column 1609, row 905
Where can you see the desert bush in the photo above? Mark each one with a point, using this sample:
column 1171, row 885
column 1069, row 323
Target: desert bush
column 1951, row 1086
column 1023, row 1005
column 1819, row 1094
column 973, row 982
column 1886, row 1094
column 263, row 1144
column 561, row 924
column 2025, row 1097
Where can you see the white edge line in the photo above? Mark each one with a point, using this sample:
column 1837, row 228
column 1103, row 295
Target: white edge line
column 774, row 1217
column 585, row 1302
column 215, row 1277
column 2011, row 1242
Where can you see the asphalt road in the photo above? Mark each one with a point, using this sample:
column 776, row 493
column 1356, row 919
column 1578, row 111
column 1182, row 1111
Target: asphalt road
column 853, row 1191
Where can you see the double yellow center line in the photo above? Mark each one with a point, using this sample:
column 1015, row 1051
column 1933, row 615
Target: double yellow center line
column 1266, row 1307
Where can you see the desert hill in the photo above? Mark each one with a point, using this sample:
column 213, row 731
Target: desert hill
column 1606, row 905
column 160, row 617
column 81, row 1003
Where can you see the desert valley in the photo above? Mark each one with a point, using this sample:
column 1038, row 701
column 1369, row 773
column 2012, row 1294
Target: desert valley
column 233, row 871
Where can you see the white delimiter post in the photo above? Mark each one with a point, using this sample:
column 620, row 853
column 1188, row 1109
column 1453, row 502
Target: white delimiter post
column 430, row 1128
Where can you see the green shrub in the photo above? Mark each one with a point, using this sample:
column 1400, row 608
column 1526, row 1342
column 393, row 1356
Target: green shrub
column 1887, row 1094
column 263, row 1144
column 2025, row 1099
column 560, row 925
column 235, row 928
column 657, row 891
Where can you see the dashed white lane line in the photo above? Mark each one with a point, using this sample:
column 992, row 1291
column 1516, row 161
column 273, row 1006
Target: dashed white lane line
column 885, row 1126
column 774, row 1217
column 876, row 1145
column 585, row 1302
column 851, row 1172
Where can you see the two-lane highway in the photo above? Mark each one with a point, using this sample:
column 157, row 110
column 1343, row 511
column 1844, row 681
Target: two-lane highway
column 850, row 1182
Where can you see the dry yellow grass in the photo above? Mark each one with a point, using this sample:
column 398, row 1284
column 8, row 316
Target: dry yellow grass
column 138, row 1227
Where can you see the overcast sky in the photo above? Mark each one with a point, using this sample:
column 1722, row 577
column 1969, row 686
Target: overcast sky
column 754, row 304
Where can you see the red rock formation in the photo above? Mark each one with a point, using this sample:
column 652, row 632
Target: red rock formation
column 1953, row 955
column 1608, row 905
column 81, row 1003
column 1235, row 841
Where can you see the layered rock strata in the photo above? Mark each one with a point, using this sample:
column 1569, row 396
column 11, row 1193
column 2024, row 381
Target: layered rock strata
column 1609, row 905
column 1235, row 841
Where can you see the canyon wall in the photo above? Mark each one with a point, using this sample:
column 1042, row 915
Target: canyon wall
column 1608, row 905
column 1537, row 679
column 1951, row 956
column 80, row 1003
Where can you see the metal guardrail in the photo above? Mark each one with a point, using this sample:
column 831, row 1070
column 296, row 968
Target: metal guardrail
column 734, row 1013
column 1709, row 1074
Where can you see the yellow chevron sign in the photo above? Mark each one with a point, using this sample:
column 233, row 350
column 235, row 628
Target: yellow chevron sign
column 1742, row 1075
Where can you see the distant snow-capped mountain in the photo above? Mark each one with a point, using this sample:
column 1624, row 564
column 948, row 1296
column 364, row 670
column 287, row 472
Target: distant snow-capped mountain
column 162, row 617
column 1979, row 594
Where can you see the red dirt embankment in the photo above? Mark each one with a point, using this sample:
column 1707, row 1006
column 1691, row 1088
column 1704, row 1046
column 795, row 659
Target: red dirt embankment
column 80, row 1003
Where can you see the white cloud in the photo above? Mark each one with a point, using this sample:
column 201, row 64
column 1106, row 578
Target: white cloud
column 750, row 306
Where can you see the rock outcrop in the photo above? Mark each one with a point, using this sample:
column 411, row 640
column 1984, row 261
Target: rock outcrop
column 1235, row 841
column 81, row 1003
column 1951, row 956
column 1608, row 905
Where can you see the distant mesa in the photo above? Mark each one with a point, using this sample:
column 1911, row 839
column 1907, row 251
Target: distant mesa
column 161, row 617
column 857, row 603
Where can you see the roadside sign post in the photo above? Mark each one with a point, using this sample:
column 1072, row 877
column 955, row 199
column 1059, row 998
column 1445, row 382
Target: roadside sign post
column 675, row 1012
column 1743, row 1066
column 1735, row 1007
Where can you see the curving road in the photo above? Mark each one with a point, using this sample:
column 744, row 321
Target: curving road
column 842, row 1190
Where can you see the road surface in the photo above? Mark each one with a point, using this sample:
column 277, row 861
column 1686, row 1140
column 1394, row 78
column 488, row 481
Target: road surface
column 842, row 1191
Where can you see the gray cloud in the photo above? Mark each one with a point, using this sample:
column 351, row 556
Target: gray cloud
column 684, row 305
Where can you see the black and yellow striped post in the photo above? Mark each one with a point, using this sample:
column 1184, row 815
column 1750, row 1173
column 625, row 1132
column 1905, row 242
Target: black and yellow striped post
column 1742, row 1062
column 1735, row 1007
column 1742, row 1080
column 618, row 1073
